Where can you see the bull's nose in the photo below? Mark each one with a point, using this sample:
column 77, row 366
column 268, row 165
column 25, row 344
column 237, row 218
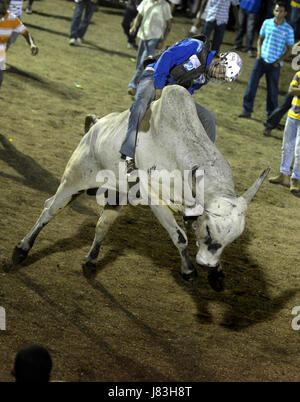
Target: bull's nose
column 207, row 263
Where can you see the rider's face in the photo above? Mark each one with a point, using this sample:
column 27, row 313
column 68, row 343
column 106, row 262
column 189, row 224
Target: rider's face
column 217, row 70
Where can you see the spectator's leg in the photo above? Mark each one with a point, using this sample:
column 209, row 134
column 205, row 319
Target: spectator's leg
column 129, row 16
column 296, row 167
column 1, row 77
column 145, row 94
column 272, row 77
column 242, row 22
column 288, row 145
column 140, row 56
column 76, row 19
column 257, row 71
column 251, row 26
column 218, row 37
column 209, row 26
column 295, row 21
column 88, row 14
column 278, row 113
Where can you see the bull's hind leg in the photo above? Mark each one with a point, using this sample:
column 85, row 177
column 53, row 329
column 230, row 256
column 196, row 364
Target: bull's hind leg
column 107, row 218
column 52, row 206
column 179, row 238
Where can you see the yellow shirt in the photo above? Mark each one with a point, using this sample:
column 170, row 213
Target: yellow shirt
column 294, row 111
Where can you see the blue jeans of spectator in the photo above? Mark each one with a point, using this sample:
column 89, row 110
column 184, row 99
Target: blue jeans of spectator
column 146, row 48
column 80, row 23
column 278, row 113
column 247, row 21
column 145, row 94
column 295, row 20
column 219, row 31
column 129, row 15
column 1, row 77
column 291, row 148
column 272, row 73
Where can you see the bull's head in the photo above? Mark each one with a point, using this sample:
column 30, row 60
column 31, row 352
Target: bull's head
column 222, row 222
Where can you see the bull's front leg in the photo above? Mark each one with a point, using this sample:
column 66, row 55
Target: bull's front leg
column 179, row 238
column 107, row 218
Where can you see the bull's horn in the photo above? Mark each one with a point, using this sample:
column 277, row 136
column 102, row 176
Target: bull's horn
column 250, row 193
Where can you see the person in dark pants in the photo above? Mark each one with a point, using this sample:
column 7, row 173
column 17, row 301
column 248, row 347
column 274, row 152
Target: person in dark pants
column 83, row 13
column 274, row 45
column 129, row 16
column 277, row 114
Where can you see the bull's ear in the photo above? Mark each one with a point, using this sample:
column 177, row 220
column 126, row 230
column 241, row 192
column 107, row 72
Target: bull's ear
column 250, row 193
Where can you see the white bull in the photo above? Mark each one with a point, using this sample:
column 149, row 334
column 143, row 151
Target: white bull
column 170, row 137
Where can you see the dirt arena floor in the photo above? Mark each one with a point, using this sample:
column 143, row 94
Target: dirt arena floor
column 136, row 320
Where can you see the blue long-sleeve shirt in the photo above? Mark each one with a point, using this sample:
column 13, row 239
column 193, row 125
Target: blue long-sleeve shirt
column 176, row 55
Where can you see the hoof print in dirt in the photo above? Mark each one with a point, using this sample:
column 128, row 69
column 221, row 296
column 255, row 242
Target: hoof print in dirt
column 216, row 279
column 19, row 255
column 88, row 269
column 190, row 277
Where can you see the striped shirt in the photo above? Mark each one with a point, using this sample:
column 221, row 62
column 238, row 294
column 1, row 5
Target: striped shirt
column 294, row 111
column 276, row 38
column 218, row 10
column 8, row 24
column 15, row 7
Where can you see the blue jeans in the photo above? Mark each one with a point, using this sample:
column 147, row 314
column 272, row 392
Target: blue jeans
column 145, row 94
column 1, row 77
column 247, row 21
column 80, row 25
column 146, row 48
column 295, row 20
column 272, row 73
column 291, row 148
column 278, row 113
column 219, row 31
column 129, row 16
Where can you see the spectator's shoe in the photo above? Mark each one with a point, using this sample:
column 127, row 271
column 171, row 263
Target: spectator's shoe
column 295, row 186
column 282, row 179
column 79, row 41
column 250, row 53
column 28, row 10
column 245, row 115
column 267, row 132
column 131, row 91
column 72, row 42
column 236, row 47
column 130, row 165
column 131, row 45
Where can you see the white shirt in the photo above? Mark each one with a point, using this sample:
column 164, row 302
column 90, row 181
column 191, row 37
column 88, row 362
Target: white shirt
column 218, row 10
column 155, row 16
column 15, row 7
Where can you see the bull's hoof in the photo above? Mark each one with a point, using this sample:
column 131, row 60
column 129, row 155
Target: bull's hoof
column 216, row 279
column 89, row 269
column 191, row 276
column 19, row 255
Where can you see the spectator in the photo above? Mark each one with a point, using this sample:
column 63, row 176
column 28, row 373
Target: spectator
column 295, row 17
column 189, row 63
column 32, row 364
column 173, row 4
column 274, row 45
column 129, row 15
column 248, row 17
column 216, row 19
column 10, row 24
column 291, row 143
column 154, row 22
column 29, row 7
column 80, row 23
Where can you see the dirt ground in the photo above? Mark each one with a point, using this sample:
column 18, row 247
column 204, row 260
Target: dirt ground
column 136, row 320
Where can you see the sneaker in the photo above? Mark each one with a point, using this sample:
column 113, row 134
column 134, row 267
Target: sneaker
column 131, row 91
column 72, row 42
column 295, row 186
column 28, row 10
column 250, row 53
column 245, row 115
column 130, row 165
column 79, row 41
column 280, row 179
column 267, row 132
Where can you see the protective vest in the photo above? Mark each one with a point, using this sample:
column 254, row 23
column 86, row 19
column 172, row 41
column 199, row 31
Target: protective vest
column 184, row 74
